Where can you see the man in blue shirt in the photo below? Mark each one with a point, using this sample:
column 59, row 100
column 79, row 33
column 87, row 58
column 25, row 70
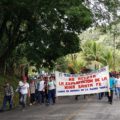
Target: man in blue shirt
column 112, row 82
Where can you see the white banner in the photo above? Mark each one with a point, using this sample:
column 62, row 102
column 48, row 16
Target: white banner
column 75, row 84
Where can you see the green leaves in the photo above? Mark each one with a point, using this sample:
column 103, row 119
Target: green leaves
column 48, row 29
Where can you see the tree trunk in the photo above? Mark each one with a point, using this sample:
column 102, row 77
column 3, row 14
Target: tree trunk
column 2, row 65
column 3, row 61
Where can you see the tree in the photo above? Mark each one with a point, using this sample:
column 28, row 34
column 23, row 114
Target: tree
column 105, row 12
column 113, row 7
column 57, row 32
column 72, row 63
column 48, row 28
column 107, row 58
column 16, row 21
column 92, row 51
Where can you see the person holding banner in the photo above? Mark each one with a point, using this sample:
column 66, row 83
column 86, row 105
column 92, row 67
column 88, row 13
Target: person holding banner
column 112, row 82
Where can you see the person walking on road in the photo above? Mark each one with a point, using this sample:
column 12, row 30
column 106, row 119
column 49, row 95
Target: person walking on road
column 118, row 86
column 51, row 90
column 8, row 96
column 32, row 92
column 24, row 92
column 41, row 90
column 112, row 87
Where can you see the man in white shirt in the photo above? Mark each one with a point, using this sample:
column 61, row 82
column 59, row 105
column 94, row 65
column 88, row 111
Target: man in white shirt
column 41, row 90
column 24, row 90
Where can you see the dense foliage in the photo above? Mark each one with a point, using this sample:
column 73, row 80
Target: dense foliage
column 48, row 29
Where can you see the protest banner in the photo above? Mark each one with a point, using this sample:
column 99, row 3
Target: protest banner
column 76, row 84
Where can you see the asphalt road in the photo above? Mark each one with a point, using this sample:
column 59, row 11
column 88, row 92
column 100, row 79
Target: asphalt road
column 67, row 108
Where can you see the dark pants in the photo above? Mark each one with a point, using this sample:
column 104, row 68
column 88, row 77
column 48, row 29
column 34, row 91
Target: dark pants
column 101, row 95
column 41, row 96
column 51, row 96
column 32, row 98
column 36, row 96
column 110, row 98
column 76, row 97
column 46, row 95
column 9, row 100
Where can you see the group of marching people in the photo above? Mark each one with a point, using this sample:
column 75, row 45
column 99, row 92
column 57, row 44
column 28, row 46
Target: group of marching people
column 42, row 90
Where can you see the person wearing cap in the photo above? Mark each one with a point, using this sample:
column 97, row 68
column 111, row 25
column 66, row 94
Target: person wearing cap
column 8, row 96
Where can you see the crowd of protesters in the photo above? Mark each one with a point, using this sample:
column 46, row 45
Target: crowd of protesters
column 38, row 91
column 43, row 91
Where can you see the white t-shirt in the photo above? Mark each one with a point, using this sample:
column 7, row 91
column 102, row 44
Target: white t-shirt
column 51, row 85
column 24, row 88
column 41, row 85
column 118, row 82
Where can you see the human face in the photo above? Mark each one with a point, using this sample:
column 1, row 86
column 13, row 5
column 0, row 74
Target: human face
column 24, row 80
column 7, row 84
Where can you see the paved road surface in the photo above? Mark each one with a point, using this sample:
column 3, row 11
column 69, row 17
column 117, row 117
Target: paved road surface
column 68, row 109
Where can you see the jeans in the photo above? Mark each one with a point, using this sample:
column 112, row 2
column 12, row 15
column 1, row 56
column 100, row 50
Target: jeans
column 41, row 96
column 7, row 99
column 101, row 95
column 23, row 100
column 118, row 92
column 36, row 96
column 51, row 96
column 32, row 98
